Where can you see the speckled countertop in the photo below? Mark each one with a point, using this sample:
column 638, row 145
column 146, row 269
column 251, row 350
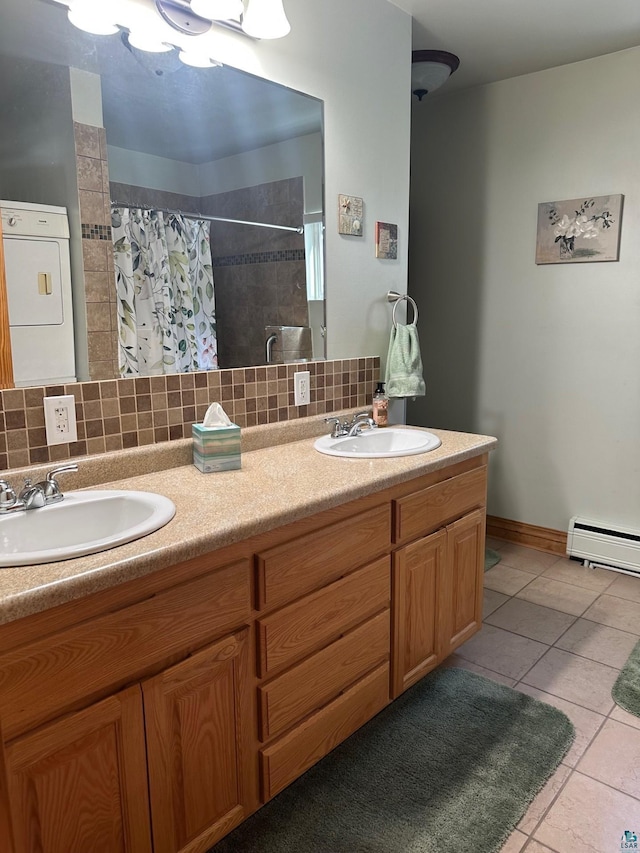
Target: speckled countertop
column 277, row 484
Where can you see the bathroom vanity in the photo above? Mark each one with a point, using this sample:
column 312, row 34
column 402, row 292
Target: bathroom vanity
column 153, row 696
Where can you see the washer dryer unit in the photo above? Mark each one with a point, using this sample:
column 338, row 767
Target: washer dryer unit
column 38, row 272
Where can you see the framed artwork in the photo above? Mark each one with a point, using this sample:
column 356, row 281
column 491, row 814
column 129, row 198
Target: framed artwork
column 579, row 230
column 386, row 240
column 350, row 215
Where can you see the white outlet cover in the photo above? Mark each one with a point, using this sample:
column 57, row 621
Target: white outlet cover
column 53, row 419
column 301, row 388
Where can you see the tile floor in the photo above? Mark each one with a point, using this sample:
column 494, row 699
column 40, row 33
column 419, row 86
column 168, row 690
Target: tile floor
column 561, row 633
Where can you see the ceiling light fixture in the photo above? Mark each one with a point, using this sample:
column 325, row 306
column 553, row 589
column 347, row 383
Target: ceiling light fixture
column 218, row 10
column 91, row 16
column 150, row 23
column 265, row 19
column 430, row 69
column 197, row 60
column 148, row 42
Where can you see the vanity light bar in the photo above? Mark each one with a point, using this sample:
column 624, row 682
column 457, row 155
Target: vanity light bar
column 263, row 19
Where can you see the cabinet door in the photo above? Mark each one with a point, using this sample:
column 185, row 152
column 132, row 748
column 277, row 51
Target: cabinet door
column 80, row 784
column 417, row 573
column 461, row 589
column 198, row 719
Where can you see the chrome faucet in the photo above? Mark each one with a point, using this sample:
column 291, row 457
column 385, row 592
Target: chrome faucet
column 50, row 485
column 9, row 501
column 33, row 495
column 359, row 421
column 352, row 427
column 269, row 347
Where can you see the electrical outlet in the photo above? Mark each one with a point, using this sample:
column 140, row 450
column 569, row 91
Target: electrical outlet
column 60, row 419
column 301, row 388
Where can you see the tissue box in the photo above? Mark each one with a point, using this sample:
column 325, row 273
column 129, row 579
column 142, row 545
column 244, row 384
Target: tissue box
column 216, row 448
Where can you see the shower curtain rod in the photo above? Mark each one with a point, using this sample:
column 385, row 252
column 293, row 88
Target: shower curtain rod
column 299, row 230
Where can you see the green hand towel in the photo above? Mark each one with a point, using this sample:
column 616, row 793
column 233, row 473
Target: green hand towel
column 404, row 363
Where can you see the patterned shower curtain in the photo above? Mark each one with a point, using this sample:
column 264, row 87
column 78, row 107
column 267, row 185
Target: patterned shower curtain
column 165, row 297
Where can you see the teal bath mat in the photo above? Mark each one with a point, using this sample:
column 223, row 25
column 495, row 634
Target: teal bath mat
column 491, row 558
column 451, row 765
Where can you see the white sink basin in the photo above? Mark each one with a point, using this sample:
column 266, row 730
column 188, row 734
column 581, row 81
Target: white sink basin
column 83, row 523
column 376, row 443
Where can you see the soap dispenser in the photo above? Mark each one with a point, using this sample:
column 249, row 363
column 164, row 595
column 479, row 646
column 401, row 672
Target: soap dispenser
column 381, row 406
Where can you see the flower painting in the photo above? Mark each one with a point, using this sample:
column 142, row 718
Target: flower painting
column 579, row 230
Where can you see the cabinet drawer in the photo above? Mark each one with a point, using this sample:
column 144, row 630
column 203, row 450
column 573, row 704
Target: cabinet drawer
column 425, row 511
column 308, row 624
column 311, row 684
column 289, row 757
column 309, row 562
column 40, row 680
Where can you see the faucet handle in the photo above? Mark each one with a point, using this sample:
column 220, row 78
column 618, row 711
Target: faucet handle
column 50, row 485
column 8, row 497
column 32, row 496
column 339, row 428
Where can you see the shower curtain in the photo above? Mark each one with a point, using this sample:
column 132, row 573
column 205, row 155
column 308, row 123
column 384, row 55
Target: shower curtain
column 165, row 296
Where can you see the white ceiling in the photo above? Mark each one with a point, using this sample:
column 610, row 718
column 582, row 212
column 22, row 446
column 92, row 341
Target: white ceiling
column 497, row 39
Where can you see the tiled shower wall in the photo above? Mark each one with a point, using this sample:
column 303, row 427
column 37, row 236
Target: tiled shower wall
column 259, row 273
column 117, row 414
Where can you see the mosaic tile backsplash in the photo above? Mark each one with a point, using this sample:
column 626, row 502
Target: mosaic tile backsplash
column 122, row 413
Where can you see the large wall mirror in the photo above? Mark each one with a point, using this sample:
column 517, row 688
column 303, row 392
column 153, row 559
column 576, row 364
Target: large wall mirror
column 158, row 166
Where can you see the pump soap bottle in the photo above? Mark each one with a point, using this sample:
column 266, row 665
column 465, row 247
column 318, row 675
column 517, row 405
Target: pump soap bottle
column 381, row 406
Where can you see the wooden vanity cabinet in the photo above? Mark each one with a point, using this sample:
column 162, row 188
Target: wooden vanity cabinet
column 155, row 716
column 198, row 741
column 80, row 783
column 162, row 765
column 323, row 653
column 438, row 578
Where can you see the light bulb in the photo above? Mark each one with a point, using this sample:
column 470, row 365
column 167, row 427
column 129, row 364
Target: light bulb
column 91, row 16
column 265, row 19
column 218, row 10
column 148, row 42
column 197, row 60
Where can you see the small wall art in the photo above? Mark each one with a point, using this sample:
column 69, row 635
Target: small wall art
column 579, row 230
column 350, row 215
column 386, row 240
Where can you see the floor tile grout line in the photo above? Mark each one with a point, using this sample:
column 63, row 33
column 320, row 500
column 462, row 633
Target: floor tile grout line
column 576, row 585
column 584, row 657
column 557, row 696
column 535, row 687
column 622, row 630
column 551, row 607
column 553, row 800
column 540, row 844
column 562, row 698
column 521, row 681
column 574, row 620
column 622, row 722
column 607, row 785
column 590, row 744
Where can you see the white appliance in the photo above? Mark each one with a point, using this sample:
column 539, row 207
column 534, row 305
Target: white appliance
column 38, row 272
column 604, row 546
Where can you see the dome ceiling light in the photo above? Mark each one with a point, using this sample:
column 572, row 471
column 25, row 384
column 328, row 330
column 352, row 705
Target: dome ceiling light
column 430, row 69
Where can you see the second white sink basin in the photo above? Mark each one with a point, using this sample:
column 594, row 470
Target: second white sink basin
column 83, row 523
column 376, row 443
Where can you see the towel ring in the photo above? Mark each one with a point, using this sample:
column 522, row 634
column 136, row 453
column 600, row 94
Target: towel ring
column 398, row 298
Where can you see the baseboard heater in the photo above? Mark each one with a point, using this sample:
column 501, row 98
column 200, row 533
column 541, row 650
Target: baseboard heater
column 603, row 546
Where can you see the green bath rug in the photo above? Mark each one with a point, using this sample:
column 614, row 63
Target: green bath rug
column 450, row 765
column 491, row 558
column 626, row 690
